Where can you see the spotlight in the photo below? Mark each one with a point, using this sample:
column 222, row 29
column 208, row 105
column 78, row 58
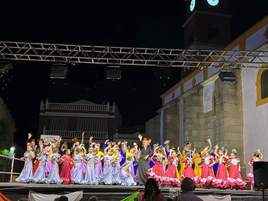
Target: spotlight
column 113, row 73
column 58, row 71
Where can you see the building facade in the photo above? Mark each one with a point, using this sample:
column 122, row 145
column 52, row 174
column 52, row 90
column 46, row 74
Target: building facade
column 233, row 114
column 69, row 120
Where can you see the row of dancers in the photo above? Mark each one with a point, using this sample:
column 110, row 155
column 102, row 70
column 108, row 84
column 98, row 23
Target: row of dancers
column 208, row 168
column 124, row 164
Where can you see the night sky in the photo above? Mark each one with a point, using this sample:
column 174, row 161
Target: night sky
column 122, row 23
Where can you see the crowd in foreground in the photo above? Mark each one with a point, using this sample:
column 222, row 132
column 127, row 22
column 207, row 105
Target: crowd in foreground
column 119, row 163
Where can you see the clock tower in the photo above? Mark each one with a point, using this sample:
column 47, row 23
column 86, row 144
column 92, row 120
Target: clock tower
column 208, row 24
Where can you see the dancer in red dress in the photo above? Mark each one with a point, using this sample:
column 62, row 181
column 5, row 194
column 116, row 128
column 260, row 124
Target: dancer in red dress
column 207, row 175
column 256, row 157
column 66, row 165
column 222, row 175
column 235, row 179
column 158, row 170
column 172, row 174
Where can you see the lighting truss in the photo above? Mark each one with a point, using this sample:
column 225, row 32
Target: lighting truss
column 78, row 54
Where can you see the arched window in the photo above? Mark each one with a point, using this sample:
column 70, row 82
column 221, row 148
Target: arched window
column 262, row 86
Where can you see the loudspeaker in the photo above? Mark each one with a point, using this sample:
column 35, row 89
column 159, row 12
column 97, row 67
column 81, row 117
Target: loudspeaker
column 227, row 76
column 260, row 172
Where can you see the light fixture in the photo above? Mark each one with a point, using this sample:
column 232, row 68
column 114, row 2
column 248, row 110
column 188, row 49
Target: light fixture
column 113, row 73
column 227, row 76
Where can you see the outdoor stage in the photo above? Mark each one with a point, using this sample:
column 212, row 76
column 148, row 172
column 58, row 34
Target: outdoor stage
column 18, row 191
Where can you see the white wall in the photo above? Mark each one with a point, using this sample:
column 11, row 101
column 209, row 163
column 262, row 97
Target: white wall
column 255, row 127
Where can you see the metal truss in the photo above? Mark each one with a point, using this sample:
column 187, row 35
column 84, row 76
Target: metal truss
column 79, row 54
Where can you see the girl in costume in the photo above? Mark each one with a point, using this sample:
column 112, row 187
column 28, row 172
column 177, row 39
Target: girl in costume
column 116, row 165
column 40, row 173
column 77, row 171
column 157, row 171
column 53, row 176
column 222, row 174
column 172, row 174
column 197, row 162
column 235, row 179
column 107, row 166
column 90, row 176
column 38, row 152
column 66, row 165
column 257, row 156
column 188, row 170
column 126, row 176
column 207, row 175
column 98, row 165
column 26, row 173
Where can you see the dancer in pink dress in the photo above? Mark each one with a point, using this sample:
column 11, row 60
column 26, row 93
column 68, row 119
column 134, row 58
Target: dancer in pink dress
column 222, row 175
column 235, row 179
column 66, row 164
column 258, row 156
column 207, row 175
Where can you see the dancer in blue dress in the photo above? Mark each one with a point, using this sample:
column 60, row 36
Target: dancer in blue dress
column 26, row 173
column 77, row 170
column 90, row 176
column 116, row 166
column 126, row 175
column 40, row 173
column 107, row 166
column 53, row 176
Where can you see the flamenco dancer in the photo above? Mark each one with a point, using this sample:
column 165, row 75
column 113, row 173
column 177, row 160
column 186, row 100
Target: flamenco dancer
column 257, row 156
column 222, row 174
column 235, row 179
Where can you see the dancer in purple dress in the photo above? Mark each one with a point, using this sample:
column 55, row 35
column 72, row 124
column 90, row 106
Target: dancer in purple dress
column 26, row 173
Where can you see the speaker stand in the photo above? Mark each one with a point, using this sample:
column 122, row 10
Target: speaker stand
column 263, row 199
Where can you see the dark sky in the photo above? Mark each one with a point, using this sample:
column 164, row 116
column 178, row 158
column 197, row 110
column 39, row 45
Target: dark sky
column 122, row 23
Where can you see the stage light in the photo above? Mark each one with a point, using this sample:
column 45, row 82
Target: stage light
column 113, row 73
column 58, row 71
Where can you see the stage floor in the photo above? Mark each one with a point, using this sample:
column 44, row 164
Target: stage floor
column 19, row 191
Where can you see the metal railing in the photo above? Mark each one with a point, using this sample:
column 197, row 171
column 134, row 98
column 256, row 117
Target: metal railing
column 78, row 108
column 11, row 166
column 77, row 134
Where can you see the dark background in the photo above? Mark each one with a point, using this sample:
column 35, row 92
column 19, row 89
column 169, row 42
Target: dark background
column 122, row 23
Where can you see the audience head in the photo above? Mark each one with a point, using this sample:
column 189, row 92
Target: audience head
column 62, row 198
column 187, row 184
column 151, row 189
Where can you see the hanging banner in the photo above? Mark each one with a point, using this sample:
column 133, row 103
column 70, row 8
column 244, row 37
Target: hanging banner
column 208, row 92
column 75, row 196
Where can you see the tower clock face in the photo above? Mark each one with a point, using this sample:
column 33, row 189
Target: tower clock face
column 192, row 5
column 213, row 2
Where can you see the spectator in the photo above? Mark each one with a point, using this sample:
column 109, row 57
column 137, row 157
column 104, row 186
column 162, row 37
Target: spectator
column 62, row 198
column 187, row 187
column 92, row 198
column 151, row 192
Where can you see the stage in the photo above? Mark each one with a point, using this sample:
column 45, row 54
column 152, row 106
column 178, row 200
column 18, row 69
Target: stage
column 18, row 191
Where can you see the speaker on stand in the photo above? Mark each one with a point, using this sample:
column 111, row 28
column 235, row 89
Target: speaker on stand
column 260, row 172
